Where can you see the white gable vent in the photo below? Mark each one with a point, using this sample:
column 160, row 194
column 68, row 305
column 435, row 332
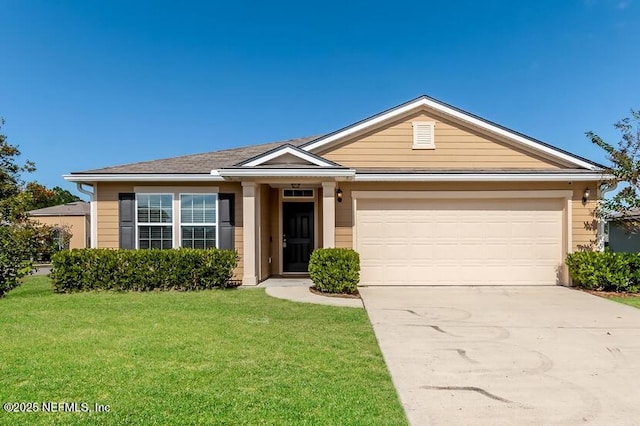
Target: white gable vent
column 423, row 135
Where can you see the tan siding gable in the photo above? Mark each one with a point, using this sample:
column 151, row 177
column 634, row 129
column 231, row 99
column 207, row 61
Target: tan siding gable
column 456, row 147
column 287, row 159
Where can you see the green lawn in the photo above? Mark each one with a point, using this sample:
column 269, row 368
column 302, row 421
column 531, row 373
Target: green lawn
column 628, row 300
column 209, row 357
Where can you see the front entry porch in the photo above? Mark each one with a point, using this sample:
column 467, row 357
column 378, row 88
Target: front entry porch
column 283, row 223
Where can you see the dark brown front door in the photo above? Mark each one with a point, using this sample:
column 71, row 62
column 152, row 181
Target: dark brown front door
column 297, row 236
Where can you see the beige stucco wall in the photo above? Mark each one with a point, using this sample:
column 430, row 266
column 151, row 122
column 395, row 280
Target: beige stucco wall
column 455, row 147
column 584, row 224
column 78, row 225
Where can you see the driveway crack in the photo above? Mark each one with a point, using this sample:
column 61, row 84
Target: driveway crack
column 470, row 389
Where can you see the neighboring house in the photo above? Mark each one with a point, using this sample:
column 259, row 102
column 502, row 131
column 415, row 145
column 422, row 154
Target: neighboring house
column 624, row 239
column 425, row 192
column 74, row 217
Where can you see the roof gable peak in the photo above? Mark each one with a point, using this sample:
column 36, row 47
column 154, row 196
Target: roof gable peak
column 285, row 153
column 425, row 102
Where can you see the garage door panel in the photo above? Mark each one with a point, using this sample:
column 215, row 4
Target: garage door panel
column 453, row 242
column 446, row 229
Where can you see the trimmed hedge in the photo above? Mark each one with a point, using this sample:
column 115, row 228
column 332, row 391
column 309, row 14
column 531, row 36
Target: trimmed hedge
column 335, row 270
column 142, row 270
column 605, row 271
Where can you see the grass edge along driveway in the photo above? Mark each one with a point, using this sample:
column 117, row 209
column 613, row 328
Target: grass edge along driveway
column 208, row 357
column 627, row 300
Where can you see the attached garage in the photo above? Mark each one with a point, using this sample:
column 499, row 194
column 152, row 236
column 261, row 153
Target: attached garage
column 462, row 237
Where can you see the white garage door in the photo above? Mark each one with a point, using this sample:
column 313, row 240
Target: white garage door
column 459, row 242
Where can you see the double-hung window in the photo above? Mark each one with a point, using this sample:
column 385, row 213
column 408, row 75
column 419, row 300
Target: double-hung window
column 155, row 221
column 193, row 224
column 198, row 220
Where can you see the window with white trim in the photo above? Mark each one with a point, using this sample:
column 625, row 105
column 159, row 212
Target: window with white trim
column 154, row 214
column 58, row 239
column 423, row 135
column 198, row 220
column 300, row 193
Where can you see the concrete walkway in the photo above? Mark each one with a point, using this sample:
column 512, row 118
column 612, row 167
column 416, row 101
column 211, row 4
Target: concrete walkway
column 509, row 355
column 297, row 290
column 43, row 269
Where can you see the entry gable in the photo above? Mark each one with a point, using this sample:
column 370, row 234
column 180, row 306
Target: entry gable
column 399, row 138
column 287, row 155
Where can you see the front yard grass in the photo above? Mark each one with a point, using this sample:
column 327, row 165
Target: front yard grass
column 208, row 357
column 627, row 300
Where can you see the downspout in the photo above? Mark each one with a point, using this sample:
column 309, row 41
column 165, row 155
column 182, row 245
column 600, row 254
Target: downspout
column 603, row 189
column 93, row 217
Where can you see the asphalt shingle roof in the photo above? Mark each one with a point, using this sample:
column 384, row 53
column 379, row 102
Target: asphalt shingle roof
column 198, row 163
column 78, row 208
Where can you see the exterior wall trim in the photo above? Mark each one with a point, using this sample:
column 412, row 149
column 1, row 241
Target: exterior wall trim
column 316, row 224
column 94, row 216
column 297, row 172
column 250, row 261
column 566, row 194
column 175, row 192
column 328, row 214
column 142, row 177
column 478, row 177
column 177, row 189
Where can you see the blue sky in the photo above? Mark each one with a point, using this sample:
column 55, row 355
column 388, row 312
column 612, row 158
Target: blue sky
column 87, row 84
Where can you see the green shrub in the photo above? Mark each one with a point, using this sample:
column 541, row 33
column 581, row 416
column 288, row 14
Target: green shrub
column 335, row 270
column 15, row 250
column 605, row 271
column 142, row 270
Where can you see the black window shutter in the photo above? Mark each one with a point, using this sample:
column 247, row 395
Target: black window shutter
column 226, row 221
column 127, row 222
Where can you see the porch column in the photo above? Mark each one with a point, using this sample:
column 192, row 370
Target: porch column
column 249, row 251
column 329, row 214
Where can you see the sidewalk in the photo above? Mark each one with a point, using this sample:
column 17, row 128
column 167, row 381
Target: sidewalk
column 297, row 290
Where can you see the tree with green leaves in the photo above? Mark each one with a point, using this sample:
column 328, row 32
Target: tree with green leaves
column 42, row 197
column 623, row 206
column 13, row 200
column 20, row 239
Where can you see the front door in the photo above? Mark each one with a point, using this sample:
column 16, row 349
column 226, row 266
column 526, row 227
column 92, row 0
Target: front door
column 297, row 236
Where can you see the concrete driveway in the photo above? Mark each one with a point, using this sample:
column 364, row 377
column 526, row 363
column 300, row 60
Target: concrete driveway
column 509, row 355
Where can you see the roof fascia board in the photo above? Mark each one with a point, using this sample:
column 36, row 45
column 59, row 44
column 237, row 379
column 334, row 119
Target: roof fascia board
column 288, row 149
column 284, row 172
column 139, row 177
column 479, row 177
column 57, row 214
column 429, row 103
